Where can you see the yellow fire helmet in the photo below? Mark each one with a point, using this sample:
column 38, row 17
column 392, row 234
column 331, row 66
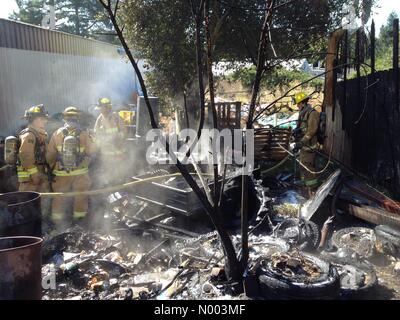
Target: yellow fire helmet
column 300, row 97
column 71, row 112
column 36, row 111
column 104, row 103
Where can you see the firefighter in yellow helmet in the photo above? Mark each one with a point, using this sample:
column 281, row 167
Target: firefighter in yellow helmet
column 306, row 137
column 69, row 154
column 110, row 133
column 31, row 164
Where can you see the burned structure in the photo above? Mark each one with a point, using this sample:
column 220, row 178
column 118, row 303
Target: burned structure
column 151, row 237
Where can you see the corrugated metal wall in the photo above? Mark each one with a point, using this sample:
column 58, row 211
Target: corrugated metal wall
column 33, row 71
column 24, row 36
column 29, row 78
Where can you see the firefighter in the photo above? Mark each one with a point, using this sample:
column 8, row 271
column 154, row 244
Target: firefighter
column 69, row 154
column 110, row 133
column 31, row 165
column 307, row 140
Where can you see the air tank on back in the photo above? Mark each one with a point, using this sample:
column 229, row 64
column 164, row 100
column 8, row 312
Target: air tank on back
column 11, row 147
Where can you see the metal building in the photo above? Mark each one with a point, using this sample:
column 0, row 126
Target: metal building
column 57, row 69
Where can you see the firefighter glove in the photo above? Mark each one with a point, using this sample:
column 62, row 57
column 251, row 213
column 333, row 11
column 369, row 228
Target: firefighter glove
column 297, row 147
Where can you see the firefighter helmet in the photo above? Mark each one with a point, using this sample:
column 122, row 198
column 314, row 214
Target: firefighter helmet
column 71, row 112
column 104, row 103
column 300, row 97
column 36, row 111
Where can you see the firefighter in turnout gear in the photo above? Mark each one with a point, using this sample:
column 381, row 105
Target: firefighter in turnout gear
column 307, row 141
column 69, row 155
column 31, row 159
column 110, row 133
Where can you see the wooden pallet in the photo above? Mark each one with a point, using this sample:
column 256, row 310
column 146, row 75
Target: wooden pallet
column 267, row 141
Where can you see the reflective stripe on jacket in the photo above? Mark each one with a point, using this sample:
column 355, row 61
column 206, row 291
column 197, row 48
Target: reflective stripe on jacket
column 54, row 150
column 77, row 172
column 25, row 174
column 110, row 134
column 33, row 142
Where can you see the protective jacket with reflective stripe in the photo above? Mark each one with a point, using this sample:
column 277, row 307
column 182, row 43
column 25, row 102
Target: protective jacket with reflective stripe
column 309, row 122
column 32, row 153
column 54, row 152
column 110, row 134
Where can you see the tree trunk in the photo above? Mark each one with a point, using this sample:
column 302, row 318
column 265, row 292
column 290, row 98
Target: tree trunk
column 78, row 22
column 227, row 244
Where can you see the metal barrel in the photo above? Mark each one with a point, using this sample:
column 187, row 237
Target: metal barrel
column 20, row 214
column 20, row 268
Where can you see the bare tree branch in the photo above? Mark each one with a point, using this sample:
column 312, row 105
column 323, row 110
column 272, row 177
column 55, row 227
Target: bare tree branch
column 227, row 245
column 295, row 87
column 116, row 7
column 260, row 62
column 211, row 89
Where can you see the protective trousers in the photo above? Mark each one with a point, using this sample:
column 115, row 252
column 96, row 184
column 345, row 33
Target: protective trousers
column 30, row 186
column 70, row 184
column 307, row 158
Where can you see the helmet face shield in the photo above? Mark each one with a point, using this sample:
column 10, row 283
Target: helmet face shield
column 71, row 121
column 71, row 116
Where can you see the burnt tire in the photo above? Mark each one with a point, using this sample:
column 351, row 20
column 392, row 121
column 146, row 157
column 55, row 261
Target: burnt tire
column 360, row 292
column 367, row 239
column 309, row 234
column 363, row 265
column 278, row 287
column 312, row 234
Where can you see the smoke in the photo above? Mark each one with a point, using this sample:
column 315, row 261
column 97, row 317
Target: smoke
column 59, row 81
column 99, row 77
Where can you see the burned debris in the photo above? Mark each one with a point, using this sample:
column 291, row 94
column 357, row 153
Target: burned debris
column 156, row 242
column 237, row 203
column 145, row 253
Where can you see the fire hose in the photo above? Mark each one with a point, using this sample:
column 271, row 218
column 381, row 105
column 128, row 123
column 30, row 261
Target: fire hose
column 304, row 166
column 111, row 189
column 276, row 166
column 3, row 168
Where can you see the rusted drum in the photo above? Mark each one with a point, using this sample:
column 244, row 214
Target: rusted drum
column 20, row 268
column 20, row 214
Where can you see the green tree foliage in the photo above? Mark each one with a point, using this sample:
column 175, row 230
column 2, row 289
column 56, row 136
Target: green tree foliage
column 277, row 78
column 363, row 9
column 29, row 11
column 163, row 32
column 384, row 44
column 81, row 17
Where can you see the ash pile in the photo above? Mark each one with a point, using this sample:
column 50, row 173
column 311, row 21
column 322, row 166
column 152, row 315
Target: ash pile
column 297, row 249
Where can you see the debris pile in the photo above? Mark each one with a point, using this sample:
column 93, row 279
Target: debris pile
column 146, row 253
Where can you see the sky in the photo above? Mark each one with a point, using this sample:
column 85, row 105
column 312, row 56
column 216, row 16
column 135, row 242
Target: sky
column 380, row 14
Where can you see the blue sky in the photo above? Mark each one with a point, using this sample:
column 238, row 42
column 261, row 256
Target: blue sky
column 380, row 14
